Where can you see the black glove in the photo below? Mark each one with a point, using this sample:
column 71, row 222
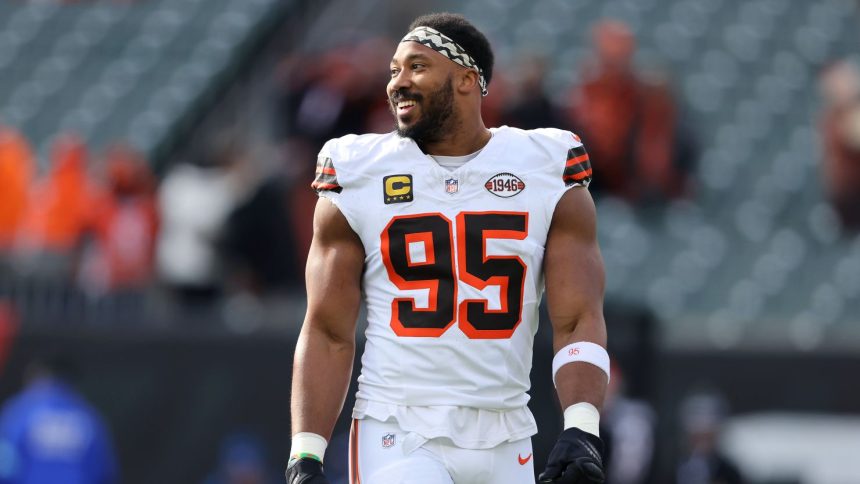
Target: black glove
column 577, row 458
column 305, row 471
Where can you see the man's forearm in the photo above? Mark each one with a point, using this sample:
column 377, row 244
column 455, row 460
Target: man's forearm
column 321, row 372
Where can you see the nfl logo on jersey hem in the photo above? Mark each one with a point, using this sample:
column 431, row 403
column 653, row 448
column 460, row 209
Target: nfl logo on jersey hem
column 388, row 440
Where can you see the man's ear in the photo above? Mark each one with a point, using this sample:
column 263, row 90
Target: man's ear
column 469, row 80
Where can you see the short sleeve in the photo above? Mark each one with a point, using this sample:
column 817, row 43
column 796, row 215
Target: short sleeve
column 577, row 168
column 326, row 176
column 325, row 179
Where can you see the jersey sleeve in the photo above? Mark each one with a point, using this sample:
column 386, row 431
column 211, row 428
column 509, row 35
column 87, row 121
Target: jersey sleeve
column 577, row 167
column 325, row 180
column 326, row 176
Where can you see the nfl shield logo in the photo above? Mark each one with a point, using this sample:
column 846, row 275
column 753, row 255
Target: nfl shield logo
column 451, row 185
column 388, row 440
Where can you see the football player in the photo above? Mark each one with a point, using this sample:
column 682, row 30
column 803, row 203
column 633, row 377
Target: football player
column 451, row 233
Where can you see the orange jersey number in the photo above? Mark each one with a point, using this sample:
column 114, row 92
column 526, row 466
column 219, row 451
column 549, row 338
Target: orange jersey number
column 434, row 268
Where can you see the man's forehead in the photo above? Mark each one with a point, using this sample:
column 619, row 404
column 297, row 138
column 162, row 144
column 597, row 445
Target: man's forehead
column 408, row 49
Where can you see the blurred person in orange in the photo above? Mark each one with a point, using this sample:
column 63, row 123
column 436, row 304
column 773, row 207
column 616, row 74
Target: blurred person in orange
column 665, row 149
column 124, row 225
column 631, row 121
column 59, row 210
column 839, row 128
column 16, row 175
column 604, row 105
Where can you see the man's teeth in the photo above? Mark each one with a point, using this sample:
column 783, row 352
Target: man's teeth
column 405, row 104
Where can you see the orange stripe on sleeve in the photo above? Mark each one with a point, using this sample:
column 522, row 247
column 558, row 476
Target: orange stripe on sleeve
column 579, row 176
column 324, row 186
column 578, row 159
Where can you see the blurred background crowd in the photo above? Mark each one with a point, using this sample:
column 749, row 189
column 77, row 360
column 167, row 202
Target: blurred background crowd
column 155, row 215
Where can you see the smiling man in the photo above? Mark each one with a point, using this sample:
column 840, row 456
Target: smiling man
column 451, row 233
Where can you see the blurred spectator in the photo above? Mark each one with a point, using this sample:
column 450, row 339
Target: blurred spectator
column 194, row 202
column 604, row 105
column 665, row 150
column 50, row 434
column 258, row 242
column 629, row 126
column 16, row 174
column 332, row 94
column 125, row 224
column 242, row 461
column 628, row 425
column 840, row 134
column 529, row 107
column 702, row 416
column 58, row 212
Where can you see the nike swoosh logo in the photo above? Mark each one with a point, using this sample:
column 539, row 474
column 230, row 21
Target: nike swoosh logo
column 524, row 461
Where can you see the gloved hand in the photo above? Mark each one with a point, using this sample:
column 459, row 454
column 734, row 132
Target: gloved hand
column 577, row 458
column 305, row 471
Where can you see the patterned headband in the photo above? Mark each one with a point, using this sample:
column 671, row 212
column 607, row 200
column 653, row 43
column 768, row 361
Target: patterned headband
column 444, row 45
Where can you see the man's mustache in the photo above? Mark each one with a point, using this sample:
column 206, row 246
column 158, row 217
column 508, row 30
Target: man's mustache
column 404, row 96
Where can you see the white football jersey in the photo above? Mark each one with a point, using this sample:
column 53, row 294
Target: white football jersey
column 454, row 260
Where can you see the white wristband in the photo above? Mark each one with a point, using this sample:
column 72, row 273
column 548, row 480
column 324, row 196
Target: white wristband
column 583, row 416
column 581, row 351
column 308, row 444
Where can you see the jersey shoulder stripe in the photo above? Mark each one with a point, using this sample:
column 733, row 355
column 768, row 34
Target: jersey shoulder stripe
column 326, row 176
column 577, row 169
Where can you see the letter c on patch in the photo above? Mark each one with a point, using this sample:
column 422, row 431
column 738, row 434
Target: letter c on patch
column 397, row 185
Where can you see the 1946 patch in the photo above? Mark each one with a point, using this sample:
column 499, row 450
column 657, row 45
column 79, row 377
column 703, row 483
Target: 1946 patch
column 505, row 185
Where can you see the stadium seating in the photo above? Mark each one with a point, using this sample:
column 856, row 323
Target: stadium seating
column 114, row 70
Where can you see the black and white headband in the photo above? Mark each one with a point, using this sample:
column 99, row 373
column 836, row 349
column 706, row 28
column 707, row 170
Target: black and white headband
column 444, row 45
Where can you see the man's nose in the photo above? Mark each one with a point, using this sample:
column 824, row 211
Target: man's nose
column 401, row 80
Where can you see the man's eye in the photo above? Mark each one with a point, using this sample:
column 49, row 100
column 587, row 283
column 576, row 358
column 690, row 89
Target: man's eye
column 417, row 66
column 394, row 72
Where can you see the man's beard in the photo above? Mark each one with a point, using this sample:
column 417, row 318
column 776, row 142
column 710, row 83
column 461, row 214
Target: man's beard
column 435, row 118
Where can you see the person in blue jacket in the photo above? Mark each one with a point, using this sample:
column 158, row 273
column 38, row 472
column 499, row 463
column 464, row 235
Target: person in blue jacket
column 50, row 435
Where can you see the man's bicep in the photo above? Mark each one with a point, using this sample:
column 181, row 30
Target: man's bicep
column 574, row 270
column 333, row 273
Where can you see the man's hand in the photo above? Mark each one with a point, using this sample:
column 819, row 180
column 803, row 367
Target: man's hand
column 305, row 471
column 577, row 458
